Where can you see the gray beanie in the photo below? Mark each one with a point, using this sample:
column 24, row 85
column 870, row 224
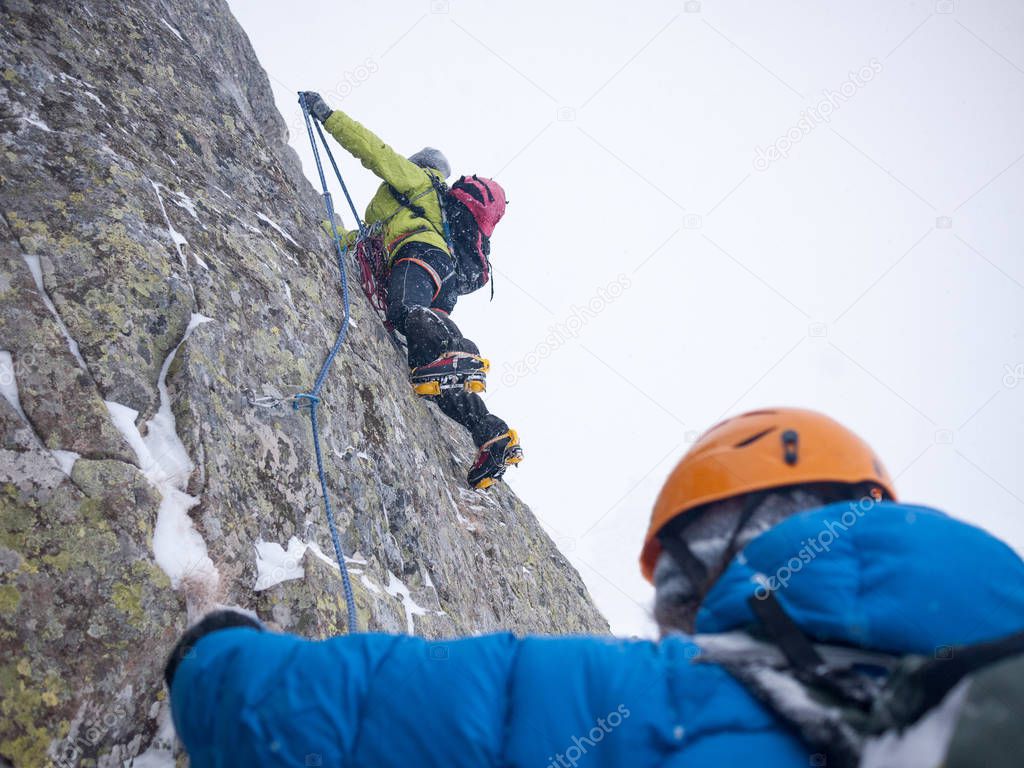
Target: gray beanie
column 428, row 157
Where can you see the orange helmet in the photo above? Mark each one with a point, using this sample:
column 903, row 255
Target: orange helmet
column 758, row 451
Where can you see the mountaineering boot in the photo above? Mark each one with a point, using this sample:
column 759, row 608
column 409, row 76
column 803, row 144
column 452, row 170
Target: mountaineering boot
column 454, row 370
column 494, row 457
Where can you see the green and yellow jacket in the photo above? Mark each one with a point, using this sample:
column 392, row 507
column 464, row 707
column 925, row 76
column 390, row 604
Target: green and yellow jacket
column 399, row 224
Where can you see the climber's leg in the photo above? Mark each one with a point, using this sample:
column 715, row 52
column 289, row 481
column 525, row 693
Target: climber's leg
column 421, row 290
column 493, row 458
column 414, row 284
column 435, row 345
column 436, row 339
column 431, row 336
column 498, row 446
column 468, row 408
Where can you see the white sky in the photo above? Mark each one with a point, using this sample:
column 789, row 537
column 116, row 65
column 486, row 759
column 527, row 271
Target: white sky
column 626, row 136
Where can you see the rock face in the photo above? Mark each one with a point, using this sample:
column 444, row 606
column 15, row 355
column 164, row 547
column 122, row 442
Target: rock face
column 161, row 263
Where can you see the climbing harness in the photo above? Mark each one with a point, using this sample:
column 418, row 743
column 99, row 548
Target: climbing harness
column 373, row 256
column 311, row 400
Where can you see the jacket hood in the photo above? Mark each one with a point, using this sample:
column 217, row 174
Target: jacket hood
column 880, row 575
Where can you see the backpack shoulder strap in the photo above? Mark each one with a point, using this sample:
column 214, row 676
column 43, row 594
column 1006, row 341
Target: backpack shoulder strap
column 840, row 680
column 811, row 688
column 404, row 202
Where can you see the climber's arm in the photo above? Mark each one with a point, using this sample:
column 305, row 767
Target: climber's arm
column 348, row 236
column 240, row 696
column 245, row 697
column 373, row 153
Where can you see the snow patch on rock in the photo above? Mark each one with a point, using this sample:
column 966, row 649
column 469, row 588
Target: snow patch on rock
column 161, row 750
column 66, row 460
column 451, row 500
column 174, row 31
column 9, row 390
column 9, row 383
column 179, row 240
column 178, row 547
column 273, row 225
column 396, row 588
column 275, row 564
column 37, row 121
column 35, row 267
column 82, row 87
column 369, row 584
column 182, row 200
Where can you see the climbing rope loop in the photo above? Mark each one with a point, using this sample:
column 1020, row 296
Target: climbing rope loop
column 311, row 400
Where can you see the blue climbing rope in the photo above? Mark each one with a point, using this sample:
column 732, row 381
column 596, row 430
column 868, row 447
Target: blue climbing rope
column 312, row 398
column 341, row 181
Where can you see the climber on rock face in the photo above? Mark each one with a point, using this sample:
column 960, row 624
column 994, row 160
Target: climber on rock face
column 777, row 541
column 437, row 242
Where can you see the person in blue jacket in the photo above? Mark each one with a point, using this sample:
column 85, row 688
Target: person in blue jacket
column 780, row 507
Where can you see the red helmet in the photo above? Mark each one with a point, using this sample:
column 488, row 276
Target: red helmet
column 484, row 198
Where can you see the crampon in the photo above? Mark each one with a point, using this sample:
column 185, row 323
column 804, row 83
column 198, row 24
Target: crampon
column 456, row 370
column 495, row 456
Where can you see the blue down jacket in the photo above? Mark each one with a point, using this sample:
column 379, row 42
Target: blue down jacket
column 895, row 578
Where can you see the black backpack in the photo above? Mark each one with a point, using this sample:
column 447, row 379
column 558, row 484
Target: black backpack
column 961, row 707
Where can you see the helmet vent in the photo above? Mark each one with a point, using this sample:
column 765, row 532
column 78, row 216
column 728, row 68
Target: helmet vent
column 790, row 446
column 753, row 438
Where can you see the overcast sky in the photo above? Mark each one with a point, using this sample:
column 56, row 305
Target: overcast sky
column 714, row 207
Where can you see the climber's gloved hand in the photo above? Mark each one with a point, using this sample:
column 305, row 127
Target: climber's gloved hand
column 222, row 618
column 325, row 225
column 316, row 105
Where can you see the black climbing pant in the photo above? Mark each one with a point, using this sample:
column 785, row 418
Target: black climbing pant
column 422, row 291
